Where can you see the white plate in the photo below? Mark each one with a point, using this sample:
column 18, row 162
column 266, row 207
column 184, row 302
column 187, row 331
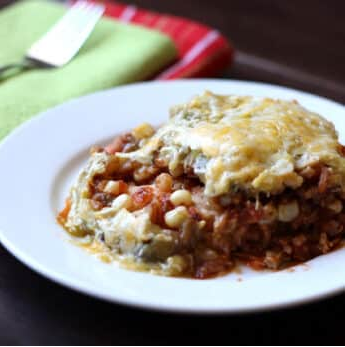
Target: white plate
column 40, row 159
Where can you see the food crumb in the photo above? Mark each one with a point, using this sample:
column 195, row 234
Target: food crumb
column 306, row 267
column 291, row 269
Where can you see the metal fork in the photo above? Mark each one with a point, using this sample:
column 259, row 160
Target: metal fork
column 60, row 44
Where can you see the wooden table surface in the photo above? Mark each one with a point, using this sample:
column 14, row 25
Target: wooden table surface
column 293, row 43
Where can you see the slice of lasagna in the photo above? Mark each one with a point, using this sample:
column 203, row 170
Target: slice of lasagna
column 227, row 178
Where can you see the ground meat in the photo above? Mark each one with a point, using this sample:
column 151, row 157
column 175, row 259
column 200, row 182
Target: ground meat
column 217, row 232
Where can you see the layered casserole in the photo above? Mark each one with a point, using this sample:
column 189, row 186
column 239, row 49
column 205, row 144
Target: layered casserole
column 226, row 179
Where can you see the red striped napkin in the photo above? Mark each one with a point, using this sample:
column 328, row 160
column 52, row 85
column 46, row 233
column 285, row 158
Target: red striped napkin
column 202, row 51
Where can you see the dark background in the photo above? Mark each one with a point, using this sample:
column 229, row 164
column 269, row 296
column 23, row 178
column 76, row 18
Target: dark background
column 298, row 43
column 293, row 43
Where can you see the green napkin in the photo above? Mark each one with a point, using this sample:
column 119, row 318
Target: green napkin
column 114, row 54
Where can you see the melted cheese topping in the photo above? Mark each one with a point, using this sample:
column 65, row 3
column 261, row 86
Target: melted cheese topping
column 254, row 144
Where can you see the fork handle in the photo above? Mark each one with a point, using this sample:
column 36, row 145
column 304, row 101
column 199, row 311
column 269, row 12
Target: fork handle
column 24, row 65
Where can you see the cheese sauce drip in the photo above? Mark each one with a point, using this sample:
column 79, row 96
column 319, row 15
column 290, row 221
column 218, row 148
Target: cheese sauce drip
column 242, row 142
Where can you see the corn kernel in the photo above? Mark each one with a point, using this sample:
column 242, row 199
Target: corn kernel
column 143, row 173
column 143, row 131
column 181, row 197
column 175, row 169
column 112, row 187
column 336, row 206
column 202, row 224
column 122, row 201
column 176, row 217
column 164, row 182
column 288, row 212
